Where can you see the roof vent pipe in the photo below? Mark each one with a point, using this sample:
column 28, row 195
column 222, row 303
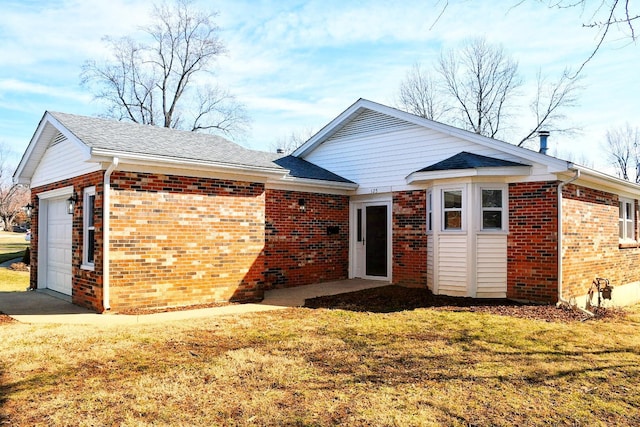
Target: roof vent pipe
column 280, row 151
column 543, row 134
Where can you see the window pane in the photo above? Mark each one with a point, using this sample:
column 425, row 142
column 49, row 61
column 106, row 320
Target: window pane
column 359, row 225
column 621, row 229
column 620, row 210
column 491, row 198
column 453, row 220
column 453, row 199
column 492, row 219
column 90, row 210
column 91, row 245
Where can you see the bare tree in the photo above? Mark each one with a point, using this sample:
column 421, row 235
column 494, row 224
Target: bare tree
column 549, row 103
column 159, row 81
column 482, row 80
column 623, row 151
column 12, row 196
column 288, row 144
column 418, row 95
column 605, row 16
column 477, row 86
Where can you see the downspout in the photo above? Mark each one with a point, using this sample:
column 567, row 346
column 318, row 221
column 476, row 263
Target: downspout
column 561, row 300
column 106, row 213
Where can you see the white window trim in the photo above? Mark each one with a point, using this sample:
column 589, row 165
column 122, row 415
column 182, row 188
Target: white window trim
column 86, row 265
column 627, row 221
column 505, row 208
column 463, row 210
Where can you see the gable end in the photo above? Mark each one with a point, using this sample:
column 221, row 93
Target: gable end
column 369, row 121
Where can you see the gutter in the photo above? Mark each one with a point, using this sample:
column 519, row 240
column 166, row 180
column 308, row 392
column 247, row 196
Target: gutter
column 561, row 300
column 106, row 213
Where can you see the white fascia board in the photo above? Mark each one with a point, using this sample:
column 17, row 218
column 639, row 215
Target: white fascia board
column 312, row 185
column 553, row 164
column 70, row 136
column 607, row 182
column 35, row 150
column 329, row 129
column 418, row 177
column 99, row 155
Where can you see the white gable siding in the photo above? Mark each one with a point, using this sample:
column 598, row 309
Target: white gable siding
column 375, row 156
column 62, row 160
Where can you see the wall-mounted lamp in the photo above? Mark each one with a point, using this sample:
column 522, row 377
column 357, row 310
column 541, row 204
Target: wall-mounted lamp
column 301, row 205
column 71, row 203
column 28, row 210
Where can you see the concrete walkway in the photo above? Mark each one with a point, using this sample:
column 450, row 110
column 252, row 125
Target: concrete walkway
column 52, row 308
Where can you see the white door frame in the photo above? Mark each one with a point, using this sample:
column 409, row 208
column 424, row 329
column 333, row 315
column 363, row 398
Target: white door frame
column 357, row 255
column 43, row 228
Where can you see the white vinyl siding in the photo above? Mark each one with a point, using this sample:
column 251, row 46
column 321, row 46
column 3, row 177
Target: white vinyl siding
column 452, row 264
column 430, row 263
column 386, row 159
column 63, row 159
column 491, row 266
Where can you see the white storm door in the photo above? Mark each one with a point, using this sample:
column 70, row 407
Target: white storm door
column 372, row 241
column 58, row 247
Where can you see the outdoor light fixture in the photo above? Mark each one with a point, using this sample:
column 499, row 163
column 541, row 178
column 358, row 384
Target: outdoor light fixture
column 301, row 205
column 71, row 203
column 28, row 210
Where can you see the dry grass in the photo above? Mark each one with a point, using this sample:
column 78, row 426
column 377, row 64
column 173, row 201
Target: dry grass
column 325, row 367
column 12, row 245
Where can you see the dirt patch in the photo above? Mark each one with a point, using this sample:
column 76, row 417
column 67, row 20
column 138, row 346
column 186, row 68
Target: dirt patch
column 394, row 298
column 139, row 311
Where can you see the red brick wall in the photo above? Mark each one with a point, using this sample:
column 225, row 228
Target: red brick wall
column 178, row 241
column 409, row 238
column 532, row 266
column 305, row 247
column 591, row 242
column 86, row 285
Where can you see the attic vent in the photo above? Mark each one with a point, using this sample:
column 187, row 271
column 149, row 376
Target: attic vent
column 57, row 139
column 371, row 121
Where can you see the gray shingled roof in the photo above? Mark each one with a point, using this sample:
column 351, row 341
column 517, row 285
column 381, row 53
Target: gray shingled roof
column 464, row 160
column 300, row 168
column 133, row 138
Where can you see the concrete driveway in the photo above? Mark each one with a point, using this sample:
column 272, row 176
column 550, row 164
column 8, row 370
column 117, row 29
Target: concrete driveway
column 49, row 307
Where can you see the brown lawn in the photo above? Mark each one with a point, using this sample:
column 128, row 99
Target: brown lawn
column 321, row 367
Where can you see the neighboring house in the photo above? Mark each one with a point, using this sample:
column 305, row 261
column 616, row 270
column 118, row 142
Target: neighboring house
column 168, row 218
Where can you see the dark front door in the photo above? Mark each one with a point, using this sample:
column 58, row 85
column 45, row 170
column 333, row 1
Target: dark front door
column 376, row 241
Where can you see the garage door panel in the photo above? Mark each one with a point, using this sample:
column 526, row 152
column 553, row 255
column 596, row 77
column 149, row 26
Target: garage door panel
column 58, row 270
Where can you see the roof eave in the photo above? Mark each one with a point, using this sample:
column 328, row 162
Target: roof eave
column 101, row 155
column 601, row 178
column 419, row 177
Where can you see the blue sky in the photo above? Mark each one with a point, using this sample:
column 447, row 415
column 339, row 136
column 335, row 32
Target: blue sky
column 298, row 64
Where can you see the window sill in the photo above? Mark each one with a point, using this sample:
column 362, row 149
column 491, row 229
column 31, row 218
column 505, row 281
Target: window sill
column 88, row 267
column 628, row 245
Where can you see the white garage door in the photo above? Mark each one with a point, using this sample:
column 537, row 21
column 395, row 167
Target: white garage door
column 58, row 243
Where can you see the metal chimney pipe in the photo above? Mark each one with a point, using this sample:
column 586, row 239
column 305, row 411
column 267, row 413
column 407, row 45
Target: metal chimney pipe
column 543, row 135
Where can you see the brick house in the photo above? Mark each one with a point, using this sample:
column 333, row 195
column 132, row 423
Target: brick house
column 160, row 217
